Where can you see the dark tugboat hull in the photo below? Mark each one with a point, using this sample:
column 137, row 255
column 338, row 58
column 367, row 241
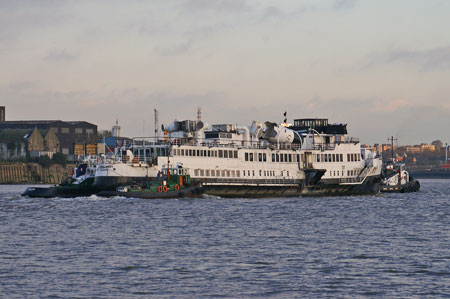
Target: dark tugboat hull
column 193, row 192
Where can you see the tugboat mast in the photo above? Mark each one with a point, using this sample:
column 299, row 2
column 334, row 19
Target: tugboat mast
column 392, row 146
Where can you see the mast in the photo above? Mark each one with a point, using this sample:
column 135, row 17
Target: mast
column 392, row 146
column 156, row 123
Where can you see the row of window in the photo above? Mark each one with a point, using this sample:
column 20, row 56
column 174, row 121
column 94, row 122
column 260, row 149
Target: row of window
column 337, row 173
column 236, row 173
column 215, row 153
column 76, row 130
column 263, row 157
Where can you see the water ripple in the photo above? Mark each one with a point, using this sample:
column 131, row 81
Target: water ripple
column 389, row 245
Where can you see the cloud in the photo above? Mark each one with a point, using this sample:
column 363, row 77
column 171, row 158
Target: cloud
column 340, row 5
column 60, row 56
column 426, row 60
column 175, row 50
column 225, row 6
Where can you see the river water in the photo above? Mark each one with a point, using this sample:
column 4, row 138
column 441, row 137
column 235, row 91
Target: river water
column 389, row 245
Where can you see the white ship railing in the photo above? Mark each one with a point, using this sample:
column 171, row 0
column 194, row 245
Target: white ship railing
column 357, row 180
column 253, row 182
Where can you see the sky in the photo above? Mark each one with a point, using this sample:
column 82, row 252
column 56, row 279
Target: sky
column 382, row 67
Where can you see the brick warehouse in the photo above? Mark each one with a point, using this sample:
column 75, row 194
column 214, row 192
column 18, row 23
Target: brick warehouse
column 68, row 133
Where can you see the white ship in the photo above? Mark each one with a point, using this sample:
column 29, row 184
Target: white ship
column 310, row 157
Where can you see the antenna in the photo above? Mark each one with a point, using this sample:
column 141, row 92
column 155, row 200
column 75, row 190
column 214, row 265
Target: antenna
column 392, row 146
column 285, row 117
column 156, row 123
column 199, row 114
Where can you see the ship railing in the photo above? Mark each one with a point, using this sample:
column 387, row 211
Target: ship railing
column 357, row 180
column 242, row 181
column 324, row 146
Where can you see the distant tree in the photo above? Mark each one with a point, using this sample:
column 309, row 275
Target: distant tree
column 103, row 134
column 59, row 158
column 438, row 144
column 45, row 161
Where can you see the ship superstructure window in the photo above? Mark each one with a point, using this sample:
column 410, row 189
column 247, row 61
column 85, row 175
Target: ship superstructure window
column 220, row 154
column 65, row 130
column 238, row 173
column 246, row 156
column 273, row 157
column 225, row 154
column 290, row 158
column 278, row 158
column 79, row 130
column 264, row 158
column 260, row 157
column 235, row 154
column 251, row 157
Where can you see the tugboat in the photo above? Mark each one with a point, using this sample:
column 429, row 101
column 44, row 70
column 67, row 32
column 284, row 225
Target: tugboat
column 80, row 183
column 171, row 183
column 397, row 179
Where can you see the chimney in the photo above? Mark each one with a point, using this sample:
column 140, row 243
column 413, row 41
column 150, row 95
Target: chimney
column 2, row 114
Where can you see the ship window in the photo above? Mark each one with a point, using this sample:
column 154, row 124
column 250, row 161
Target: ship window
column 341, row 157
column 326, row 158
column 246, row 156
column 334, row 157
column 243, row 172
column 264, row 158
column 190, row 152
column 249, row 173
column 207, row 172
column 196, row 172
column 253, row 172
column 260, row 172
column 298, row 158
column 230, row 154
column 302, row 157
column 273, row 157
column 238, row 173
column 337, row 158
column 359, row 157
column 348, row 157
column 281, row 158
column 65, row 130
column 235, row 154
column 290, row 158
column 287, row 173
column 278, row 158
column 233, row 173
column 202, row 173
column 348, row 172
column 225, row 154
column 285, row 157
column 251, row 157
column 259, row 157
column 228, row 173
column 220, row 154
column 265, row 174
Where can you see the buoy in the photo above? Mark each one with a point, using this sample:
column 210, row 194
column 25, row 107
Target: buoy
column 164, row 188
column 160, row 188
column 177, row 187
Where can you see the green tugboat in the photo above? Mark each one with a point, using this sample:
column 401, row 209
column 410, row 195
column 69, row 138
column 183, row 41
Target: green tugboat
column 75, row 185
column 171, row 183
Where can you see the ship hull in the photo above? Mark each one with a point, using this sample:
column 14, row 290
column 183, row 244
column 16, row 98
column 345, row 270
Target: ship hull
column 371, row 185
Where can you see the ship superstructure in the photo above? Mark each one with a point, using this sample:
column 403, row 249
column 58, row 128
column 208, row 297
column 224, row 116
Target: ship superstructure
column 310, row 157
